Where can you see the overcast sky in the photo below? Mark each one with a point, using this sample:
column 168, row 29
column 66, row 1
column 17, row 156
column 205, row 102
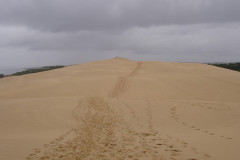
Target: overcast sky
column 49, row 32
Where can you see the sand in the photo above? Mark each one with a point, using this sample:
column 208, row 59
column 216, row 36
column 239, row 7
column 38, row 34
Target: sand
column 122, row 109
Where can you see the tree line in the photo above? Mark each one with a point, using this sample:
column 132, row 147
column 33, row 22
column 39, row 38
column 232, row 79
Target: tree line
column 33, row 70
column 231, row 66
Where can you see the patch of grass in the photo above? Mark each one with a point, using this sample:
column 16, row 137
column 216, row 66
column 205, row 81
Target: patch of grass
column 36, row 70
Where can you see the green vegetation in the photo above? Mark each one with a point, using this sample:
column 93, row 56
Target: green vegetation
column 36, row 70
column 1, row 75
column 232, row 66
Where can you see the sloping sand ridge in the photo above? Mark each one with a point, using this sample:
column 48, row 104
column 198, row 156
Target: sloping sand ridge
column 122, row 109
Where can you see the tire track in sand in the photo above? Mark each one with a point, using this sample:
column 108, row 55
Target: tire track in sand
column 122, row 83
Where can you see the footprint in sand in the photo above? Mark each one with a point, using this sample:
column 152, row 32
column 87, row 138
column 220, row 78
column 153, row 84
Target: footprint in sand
column 173, row 112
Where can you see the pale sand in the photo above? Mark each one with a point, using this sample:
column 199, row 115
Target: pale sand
column 122, row 109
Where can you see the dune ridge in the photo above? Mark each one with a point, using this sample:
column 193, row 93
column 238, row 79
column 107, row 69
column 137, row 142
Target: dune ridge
column 122, row 109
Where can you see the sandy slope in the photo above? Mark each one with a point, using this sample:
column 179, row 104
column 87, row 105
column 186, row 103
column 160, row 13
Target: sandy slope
column 122, row 109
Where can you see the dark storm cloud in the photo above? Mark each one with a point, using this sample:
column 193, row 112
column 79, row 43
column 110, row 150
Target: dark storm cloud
column 73, row 31
column 72, row 15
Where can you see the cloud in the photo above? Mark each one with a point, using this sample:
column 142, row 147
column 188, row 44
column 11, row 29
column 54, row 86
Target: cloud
column 75, row 15
column 74, row 31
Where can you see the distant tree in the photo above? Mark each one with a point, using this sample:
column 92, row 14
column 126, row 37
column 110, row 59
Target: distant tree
column 232, row 66
column 1, row 75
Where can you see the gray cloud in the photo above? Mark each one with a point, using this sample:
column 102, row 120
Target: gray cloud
column 73, row 31
column 74, row 15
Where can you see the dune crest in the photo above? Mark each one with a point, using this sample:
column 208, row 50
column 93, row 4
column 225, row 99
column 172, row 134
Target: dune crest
column 121, row 109
column 121, row 58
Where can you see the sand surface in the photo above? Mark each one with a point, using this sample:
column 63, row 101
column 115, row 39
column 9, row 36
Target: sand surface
column 121, row 109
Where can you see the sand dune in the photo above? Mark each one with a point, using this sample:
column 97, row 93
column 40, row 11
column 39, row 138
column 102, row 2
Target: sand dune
column 122, row 109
